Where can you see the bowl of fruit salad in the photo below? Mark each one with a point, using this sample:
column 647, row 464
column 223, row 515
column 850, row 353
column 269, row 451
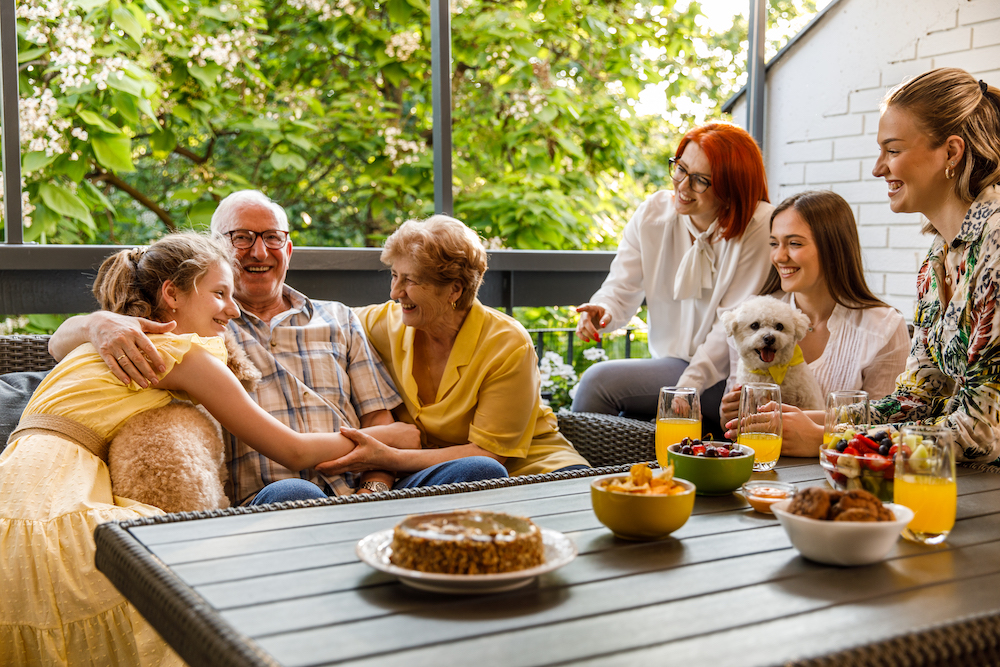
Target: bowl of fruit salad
column 716, row 468
column 863, row 460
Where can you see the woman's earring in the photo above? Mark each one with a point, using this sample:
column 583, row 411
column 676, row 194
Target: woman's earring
column 173, row 310
column 949, row 171
column 454, row 305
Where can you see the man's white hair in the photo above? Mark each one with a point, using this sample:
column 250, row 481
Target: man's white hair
column 227, row 214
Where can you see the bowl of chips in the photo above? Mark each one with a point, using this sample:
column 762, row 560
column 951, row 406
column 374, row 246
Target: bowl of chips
column 642, row 505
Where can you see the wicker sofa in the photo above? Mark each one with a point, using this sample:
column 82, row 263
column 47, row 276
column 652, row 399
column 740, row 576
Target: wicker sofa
column 604, row 440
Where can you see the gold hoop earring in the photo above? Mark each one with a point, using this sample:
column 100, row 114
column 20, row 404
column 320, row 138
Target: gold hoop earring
column 949, row 171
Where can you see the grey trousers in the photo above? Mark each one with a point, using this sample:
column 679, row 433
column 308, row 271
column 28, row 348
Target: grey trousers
column 631, row 388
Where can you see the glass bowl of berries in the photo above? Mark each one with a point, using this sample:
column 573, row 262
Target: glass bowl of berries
column 862, row 460
column 716, row 468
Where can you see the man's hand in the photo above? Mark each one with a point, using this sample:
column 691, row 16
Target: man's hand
column 397, row 434
column 122, row 343
column 592, row 318
column 368, row 454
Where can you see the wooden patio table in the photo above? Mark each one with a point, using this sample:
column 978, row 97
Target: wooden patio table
column 285, row 587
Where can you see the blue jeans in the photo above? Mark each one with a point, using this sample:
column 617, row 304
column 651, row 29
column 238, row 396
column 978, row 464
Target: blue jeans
column 469, row 469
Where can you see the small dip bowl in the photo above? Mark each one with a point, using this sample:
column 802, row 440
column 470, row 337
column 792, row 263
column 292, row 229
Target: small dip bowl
column 762, row 493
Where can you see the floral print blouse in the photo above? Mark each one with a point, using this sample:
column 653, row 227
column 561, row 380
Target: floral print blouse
column 952, row 375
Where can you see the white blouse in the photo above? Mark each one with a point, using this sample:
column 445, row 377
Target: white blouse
column 867, row 350
column 652, row 246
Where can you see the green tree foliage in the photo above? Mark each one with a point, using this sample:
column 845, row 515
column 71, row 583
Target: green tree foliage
column 138, row 116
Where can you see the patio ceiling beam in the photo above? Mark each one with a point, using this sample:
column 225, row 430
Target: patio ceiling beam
column 756, row 71
column 10, row 139
column 441, row 104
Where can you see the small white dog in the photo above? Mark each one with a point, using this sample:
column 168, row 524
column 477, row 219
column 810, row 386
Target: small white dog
column 766, row 332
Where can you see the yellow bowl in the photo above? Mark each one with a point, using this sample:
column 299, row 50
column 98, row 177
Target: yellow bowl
column 641, row 517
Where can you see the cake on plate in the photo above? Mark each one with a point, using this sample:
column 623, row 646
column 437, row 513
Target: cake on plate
column 467, row 542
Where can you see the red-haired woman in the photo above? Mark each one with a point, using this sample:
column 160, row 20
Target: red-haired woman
column 690, row 252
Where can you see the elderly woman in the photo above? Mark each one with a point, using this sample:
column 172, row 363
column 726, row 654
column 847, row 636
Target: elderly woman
column 468, row 374
column 689, row 252
column 939, row 139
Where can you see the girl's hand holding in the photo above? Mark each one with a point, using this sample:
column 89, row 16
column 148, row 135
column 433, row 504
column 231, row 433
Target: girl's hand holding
column 801, row 436
column 368, row 454
column 592, row 318
column 730, row 406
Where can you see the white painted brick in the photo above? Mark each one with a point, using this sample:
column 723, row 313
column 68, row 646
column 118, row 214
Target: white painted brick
column 836, row 107
column 975, row 61
column 866, row 100
column 895, row 73
column 854, row 210
column 986, row 34
column 901, row 283
column 792, row 174
column 975, row 11
column 946, row 21
column 871, row 123
column 833, row 172
column 876, row 282
column 874, row 237
column 947, row 41
column 881, row 214
column 786, row 191
column 908, row 236
column 808, row 151
column 907, row 306
column 861, row 193
column 835, row 126
column 907, row 52
column 879, row 259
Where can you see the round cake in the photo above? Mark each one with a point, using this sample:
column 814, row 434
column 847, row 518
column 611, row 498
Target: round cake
column 467, row 542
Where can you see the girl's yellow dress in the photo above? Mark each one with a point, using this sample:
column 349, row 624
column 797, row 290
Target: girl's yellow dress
column 55, row 607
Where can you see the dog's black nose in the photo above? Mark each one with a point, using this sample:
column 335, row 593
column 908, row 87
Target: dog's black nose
column 768, row 340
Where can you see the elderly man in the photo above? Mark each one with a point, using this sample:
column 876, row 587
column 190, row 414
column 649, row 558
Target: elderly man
column 319, row 372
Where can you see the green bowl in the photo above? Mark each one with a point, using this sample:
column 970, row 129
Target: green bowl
column 712, row 476
column 641, row 517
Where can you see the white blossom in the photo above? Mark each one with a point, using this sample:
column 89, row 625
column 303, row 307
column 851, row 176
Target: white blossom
column 402, row 45
column 595, row 354
column 399, row 151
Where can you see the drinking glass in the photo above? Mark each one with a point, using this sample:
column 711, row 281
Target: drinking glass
column 925, row 482
column 678, row 416
column 845, row 410
column 759, row 428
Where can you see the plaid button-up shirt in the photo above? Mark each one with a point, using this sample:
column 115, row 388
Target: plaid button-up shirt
column 318, row 372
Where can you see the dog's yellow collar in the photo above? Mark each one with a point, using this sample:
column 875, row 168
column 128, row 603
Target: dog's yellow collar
column 778, row 371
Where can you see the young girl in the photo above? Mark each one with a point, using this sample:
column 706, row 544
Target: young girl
column 54, row 484
column 855, row 340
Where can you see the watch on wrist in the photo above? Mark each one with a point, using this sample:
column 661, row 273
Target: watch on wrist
column 375, row 486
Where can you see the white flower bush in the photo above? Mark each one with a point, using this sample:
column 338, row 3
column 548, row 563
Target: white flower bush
column 560, row 380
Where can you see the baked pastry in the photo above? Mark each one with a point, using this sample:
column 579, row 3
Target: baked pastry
column 826, row 505
column 467, row 542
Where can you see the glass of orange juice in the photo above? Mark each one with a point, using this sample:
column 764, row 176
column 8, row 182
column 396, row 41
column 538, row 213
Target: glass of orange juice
column 925, row 482
column 759, row 423
column 846, row 415
column 678, row 416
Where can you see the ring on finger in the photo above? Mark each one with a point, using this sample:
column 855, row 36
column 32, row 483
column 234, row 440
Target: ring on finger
column 119, row 359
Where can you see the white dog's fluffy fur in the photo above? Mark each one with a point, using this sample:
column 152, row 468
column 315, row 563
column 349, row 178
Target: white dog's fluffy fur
column 766, row 332
column 173, row 457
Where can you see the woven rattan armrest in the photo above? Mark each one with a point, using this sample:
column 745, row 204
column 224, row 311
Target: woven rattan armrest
column 25, row 353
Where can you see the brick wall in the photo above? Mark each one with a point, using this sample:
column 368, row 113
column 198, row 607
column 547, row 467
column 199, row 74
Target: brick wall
column 822, row 112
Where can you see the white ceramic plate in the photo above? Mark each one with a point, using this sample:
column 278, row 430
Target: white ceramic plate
column 377, row 547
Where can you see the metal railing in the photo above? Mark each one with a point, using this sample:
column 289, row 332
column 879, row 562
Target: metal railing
column 571, row 341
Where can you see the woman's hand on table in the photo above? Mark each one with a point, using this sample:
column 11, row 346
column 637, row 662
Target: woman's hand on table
column 592, row 319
